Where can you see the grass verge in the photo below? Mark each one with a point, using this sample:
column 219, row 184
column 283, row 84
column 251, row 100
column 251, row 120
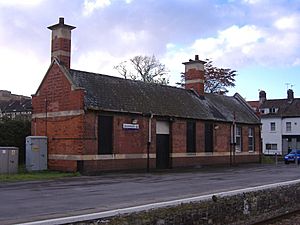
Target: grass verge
column 23, row 175
column 270, row 159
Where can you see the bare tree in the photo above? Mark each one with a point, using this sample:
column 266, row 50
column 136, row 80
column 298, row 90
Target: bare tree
column 144, row 68
column 122, row 69
column 216, row 80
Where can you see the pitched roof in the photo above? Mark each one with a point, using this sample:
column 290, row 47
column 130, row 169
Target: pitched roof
column 16, row 105
column 254, row 104
column 109, row 93
column 286, row 108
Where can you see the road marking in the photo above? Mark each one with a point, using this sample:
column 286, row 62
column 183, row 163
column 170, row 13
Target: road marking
column 110, row 213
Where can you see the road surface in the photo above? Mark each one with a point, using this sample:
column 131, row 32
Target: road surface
column 38, row 200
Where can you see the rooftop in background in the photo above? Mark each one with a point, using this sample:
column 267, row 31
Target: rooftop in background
column 7, row 96
column 14, row 106
column 285, row 107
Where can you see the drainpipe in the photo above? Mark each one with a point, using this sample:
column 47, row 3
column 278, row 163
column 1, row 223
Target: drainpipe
column 46, row 115
column 149, row 141
column 233, row 141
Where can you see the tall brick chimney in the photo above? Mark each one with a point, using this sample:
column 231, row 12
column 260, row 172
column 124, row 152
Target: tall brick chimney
column 194, row 75
column 290, row 95
column 61, row 42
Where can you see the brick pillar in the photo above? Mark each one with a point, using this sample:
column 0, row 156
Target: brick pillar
column 194, row 75
column 61, row 42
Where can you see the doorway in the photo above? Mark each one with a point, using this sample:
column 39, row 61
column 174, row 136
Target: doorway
column 162, row 145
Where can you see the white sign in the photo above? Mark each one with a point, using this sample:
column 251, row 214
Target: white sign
column 130, row 126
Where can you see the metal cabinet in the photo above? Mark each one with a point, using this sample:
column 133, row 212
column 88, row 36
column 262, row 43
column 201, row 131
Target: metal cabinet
column 36, row 153
column 9, row 159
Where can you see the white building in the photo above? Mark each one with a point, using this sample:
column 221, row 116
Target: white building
column 280, row 120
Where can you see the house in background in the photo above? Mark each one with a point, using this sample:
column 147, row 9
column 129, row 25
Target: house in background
column 14, row 106
column 280, row 120
column 96, row 122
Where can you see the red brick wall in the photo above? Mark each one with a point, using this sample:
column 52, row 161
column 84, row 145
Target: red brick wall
column 130, row 141
column 64, row 133
column 213, row 160
column 222, row 137
column 193, row 74
column 57, row 90
column 63, row 165
column 178, row 136
column 124, row 141
column 91, row 166
column 133, row 141
column 61, row 44
column 90, row 133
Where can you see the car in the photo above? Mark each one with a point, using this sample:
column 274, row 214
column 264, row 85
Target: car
column 290, row 158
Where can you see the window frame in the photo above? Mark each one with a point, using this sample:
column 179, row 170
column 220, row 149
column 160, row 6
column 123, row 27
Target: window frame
column 238, row 139
column 288, row 127
column 272, row 145
column 251, row 142
column 272, row 126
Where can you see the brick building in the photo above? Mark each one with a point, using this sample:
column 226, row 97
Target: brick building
column 97, row 122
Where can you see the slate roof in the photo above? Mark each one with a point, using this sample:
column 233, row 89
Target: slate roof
column 19, row 105
column 285, row 107
column 109, row 93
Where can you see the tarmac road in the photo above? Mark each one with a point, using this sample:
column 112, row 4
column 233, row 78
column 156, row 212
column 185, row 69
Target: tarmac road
column 31, row 201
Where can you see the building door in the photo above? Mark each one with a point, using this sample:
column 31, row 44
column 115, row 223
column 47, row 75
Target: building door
column 105, row 135
column 162, row 145
column 209, row 144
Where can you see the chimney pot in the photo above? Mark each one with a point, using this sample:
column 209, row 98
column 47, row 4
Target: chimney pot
column 262, row 96
column 61, row 20
column 61, row 42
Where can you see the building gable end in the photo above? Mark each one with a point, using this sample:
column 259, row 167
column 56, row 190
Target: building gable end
column 64, row 71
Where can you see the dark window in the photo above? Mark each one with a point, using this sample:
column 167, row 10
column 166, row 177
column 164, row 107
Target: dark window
column 271, row 146
column 191, row 136
column 272, row 126
column 272, row 110
column 209, row 138
column 105, row 134
column 288, row 126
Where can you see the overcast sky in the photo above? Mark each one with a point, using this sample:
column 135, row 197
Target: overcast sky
column 258, row 38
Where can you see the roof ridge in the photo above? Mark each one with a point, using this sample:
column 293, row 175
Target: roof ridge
column 130, row 80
